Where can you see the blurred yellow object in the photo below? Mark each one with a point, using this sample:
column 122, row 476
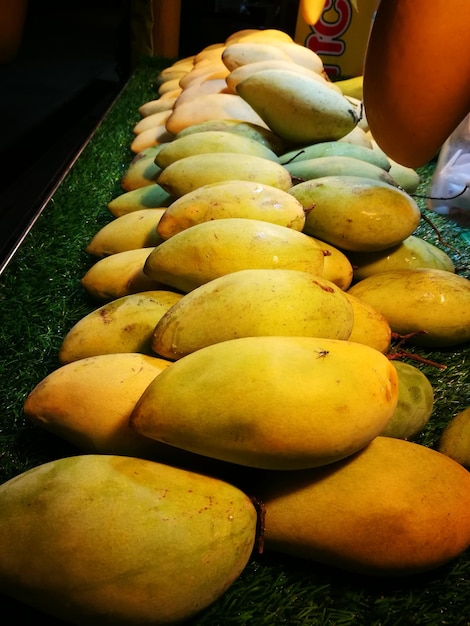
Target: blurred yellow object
column 338, row 32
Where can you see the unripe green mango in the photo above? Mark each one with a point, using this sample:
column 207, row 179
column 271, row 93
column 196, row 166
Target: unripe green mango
column 104, row 539
column 410, row 253
column 205, row 251
column 415, row 402
column 271, row 402
column 250, row 303
column 395, row 508
column 357, row 213
column 337, row 165
column 335, row 148
column 433, row 303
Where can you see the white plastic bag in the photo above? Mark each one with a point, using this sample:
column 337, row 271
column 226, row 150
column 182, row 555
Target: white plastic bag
column 450, row 185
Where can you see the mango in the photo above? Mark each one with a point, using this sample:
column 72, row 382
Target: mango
column 211, row 249
column 125, row 324
column 137, row 229
column 271, row 402
column 193, row 171
column 412, row 252
column 105, row 539
column 434, row 304
column 356, row 213
column 415, row 402
column 395, row 508
column 211, row 141
column 88, row 402
column 250, row 303
column 369, row 326
column 119, row 275
column 231, row 198
column 455, row 438
column 336, row 265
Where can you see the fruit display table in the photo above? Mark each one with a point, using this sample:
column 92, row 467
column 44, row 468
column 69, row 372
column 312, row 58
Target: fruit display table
column 41, row 299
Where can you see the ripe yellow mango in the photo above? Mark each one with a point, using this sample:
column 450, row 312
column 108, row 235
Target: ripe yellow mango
column 125, row 324
column 251, row 303
column 211, row 141
column 147, row 197
column 356, row 213
column 410, row 253
column 369, row 325
column 211, row 106
column 239, row 127
column 142, row 170
column 393, row 509
column 271, row 402
column 88, row 402
column 106, row 539
column 137, row 229
column 232, row 198
column 119, row 275
column 336, row 265
column 191, row 172
column 455, row 438
column 433, row 303
column 205, row 251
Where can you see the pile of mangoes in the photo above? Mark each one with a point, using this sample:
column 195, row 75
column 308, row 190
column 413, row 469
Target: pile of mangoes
column 232, row 387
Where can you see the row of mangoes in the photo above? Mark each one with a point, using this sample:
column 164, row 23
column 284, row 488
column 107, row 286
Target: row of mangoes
column 232, row 390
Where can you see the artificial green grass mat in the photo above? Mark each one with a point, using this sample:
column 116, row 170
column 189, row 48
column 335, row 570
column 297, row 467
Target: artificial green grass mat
column 41, row 298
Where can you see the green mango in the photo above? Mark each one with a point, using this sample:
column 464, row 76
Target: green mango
column 415, row 402
column 114, row 540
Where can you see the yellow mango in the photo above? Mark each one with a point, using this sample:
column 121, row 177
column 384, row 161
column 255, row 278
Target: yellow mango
column 433, row 303
column 231, row 198
column 191, row 172
column 119, row 275
column 205, row 251
column 137, row 229
column 251, row 303
column 455, row 438
column 357, row 214
column 239, row 127
column 395, row 508
column 125, row 324
column 336, row 265
column 369, row 325
column 271, row 402
column 142, row 170
column 151, row 121
column 106, row 539
column 151, row 137
column 211, row 141
column 88, row 402
column 146, row 197
column 410, row 253
column 209, row 107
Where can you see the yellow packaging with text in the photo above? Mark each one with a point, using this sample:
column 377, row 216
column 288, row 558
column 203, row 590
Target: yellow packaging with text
column 340, row 36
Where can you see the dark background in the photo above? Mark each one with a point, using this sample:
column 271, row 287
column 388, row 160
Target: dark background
column 73, row 60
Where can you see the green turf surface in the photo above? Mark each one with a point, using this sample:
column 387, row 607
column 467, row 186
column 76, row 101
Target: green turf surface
column 41, row 298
